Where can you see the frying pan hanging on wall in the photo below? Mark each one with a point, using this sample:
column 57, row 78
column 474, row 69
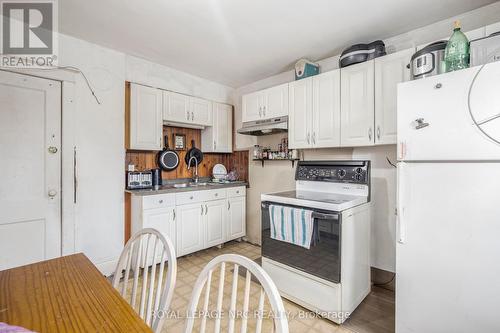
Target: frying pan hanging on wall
column 193, row 151
column 168, row 159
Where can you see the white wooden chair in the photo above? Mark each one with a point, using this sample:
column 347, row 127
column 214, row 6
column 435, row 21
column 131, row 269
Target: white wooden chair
column 141, row 255
column 267, row 287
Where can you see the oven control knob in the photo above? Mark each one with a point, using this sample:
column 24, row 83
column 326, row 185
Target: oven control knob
column 342, row 173
column 358, row 177
column 359, row 170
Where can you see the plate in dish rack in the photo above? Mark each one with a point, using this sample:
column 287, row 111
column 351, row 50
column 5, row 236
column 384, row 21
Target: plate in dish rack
column 219, row 171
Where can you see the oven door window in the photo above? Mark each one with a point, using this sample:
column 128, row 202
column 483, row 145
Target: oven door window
column 323, row 257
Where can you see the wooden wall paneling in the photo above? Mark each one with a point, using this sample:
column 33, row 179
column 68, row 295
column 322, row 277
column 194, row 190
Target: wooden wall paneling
column 128, row 217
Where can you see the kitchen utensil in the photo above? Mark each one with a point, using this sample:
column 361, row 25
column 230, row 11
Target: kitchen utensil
column 219, row 171
column 193, row 151
column 361, row 53
column 428, row 61
column 139, row 179
column 157, row 181
column 168, row 159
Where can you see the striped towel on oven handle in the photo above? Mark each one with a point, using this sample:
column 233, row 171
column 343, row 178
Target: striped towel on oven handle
column 291, row 225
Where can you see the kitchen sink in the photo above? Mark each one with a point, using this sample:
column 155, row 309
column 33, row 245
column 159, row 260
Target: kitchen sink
column 181, row 185
column 198, row 184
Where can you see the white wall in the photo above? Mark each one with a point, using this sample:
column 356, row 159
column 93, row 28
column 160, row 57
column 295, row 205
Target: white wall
column 99, row 137
column 383, row 175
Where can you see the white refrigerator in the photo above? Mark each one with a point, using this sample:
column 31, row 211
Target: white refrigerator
column 448, row 242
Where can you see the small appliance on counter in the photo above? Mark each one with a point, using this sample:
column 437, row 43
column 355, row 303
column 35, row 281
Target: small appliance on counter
column 358, row 53
column 428, row 61
column 157, row 180
column 305, row 68
column 139, row 180
column 485, row 50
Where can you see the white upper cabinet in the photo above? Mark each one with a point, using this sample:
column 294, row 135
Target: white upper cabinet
column 300, row 114
column 184, row 109
column 326, row 110
column 357, row 104
column 201, row 111
column 252, row 106
column 275, row 102
column 314, row 114
column 145, row 118
column 218, row 138
column 389, row 71
column 175, row 107
column 265, row 104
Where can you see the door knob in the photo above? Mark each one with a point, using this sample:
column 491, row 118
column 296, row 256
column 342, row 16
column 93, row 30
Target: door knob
column 52, row 193
column 420, row 123
column 52, row 149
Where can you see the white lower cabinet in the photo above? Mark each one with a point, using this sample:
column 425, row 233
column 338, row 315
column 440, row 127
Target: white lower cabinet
column 190, row 228
column 236, row 218
column 215, row 220
column 193, row 220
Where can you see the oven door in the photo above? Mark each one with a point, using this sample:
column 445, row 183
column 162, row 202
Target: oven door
column 323, row 257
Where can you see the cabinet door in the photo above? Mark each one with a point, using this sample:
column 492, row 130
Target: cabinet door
column 357, row 105
column 223, row 127
column 190, row 228
column 251, row 105
column 275, row 102
column 163, row 220
column 201, row 111
column 300, row 114
column 175, row 107
column 326, row 110
column 145, row 118
column 389, row 71
column 215, row 222
column 236, row 217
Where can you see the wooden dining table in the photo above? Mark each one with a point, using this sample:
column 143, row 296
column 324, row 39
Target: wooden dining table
column 67, row 294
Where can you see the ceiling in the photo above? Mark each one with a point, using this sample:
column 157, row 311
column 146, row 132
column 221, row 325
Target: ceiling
column 236, row 42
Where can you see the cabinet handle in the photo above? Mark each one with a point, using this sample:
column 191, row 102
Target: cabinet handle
column 378, row 132
column 215, row 145
column 370, row 134
column 206, row 209
column 264, row 111
column 173, row 212
column 260, row 111
column 187, row 115
column 308, row 138
column 201, row 209
column 229, row 204
column 192, row 115
column 314, row 138
column 160, row 201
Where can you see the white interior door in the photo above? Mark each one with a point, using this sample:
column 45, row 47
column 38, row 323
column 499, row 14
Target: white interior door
column 30, row 147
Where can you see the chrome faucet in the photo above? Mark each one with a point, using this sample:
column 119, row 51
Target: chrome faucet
column 195, row 177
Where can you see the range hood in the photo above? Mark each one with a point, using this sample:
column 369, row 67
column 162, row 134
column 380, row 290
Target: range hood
column 265, row 127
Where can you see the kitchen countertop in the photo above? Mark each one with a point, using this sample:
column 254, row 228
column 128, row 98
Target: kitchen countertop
column 169, row 188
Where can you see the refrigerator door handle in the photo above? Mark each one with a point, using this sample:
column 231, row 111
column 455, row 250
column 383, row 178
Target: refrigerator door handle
column 401, row 199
